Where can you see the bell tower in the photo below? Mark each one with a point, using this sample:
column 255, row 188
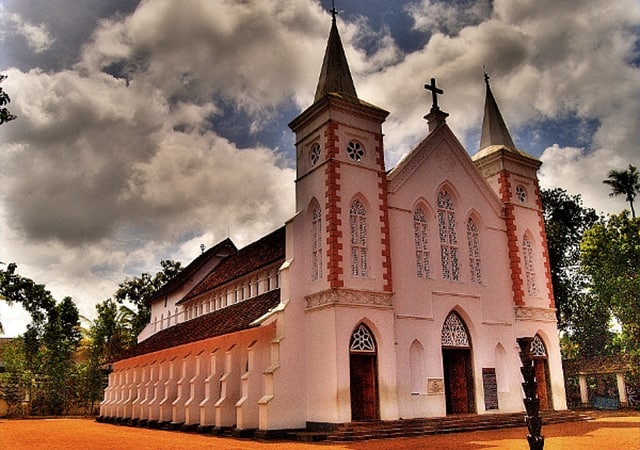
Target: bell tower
column 512, row 174
column 340, row 167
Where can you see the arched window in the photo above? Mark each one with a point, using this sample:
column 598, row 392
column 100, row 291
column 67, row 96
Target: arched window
column 316, row 243
column 359, row 257
column 538, row 350
column 529, row 270
column 454, row 333
column 448, row 239
column 420, row 233
column 474, row 251
column 362, row 341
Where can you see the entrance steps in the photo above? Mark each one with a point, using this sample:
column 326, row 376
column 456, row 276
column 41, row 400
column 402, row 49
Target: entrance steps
column 359, row 431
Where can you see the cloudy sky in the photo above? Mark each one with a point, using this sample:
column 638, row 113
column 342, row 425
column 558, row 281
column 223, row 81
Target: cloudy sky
column 147, row 128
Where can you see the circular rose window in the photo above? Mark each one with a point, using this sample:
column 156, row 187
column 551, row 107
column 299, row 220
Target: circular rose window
column 355, row 151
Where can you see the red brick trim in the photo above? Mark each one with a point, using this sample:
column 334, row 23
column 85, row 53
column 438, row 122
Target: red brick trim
column 387, row 277
column 333, row 208
column 512, row 238
column 545, row 249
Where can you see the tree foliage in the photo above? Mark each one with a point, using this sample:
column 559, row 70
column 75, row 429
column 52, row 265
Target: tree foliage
column 139, row 290
column 51, row 362
column 566, row 220
column 625, row 182
column 5, row 114
column 611, row 257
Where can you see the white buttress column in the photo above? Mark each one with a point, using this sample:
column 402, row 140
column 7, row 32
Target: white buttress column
column 170, row 391
column 196, row 390
column 157, row 374
column 182, row 390
column 140, row 391
column 229, row 390
column 211, row 391
column 148, row 390
column 250, row 382
column 131, row 392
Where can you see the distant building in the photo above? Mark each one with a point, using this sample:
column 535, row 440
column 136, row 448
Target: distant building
column 390, row 294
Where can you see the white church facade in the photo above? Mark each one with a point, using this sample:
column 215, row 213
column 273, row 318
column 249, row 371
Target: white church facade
column 390, row 294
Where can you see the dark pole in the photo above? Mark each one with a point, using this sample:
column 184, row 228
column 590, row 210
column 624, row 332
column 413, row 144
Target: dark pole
column 531, row 400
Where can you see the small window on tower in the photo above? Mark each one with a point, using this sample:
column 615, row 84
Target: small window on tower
column 314, row 154
column 521, row 193
column 355, row 150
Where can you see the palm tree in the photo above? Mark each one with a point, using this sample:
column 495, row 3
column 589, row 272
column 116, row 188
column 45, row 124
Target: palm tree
column 625, row 182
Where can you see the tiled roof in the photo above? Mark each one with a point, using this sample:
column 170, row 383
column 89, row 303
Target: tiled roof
column 182, row 276
column 596, row 365
column 223, row 321
column 263, row 252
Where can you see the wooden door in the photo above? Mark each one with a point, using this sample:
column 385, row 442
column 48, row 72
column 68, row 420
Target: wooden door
column 364, row 387
column 458, row 389
column 541, row 383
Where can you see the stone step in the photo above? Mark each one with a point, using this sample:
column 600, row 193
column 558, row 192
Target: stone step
column 358, row 431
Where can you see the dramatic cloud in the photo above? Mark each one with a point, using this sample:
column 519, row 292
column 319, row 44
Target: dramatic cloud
column 37, row 37
column 148, row 128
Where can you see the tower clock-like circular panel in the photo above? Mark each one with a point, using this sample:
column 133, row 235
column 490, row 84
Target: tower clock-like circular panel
column 355, row 150
column 521, row 193
column 314, row 154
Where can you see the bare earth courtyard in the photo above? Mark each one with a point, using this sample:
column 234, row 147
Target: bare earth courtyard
column 618, row 431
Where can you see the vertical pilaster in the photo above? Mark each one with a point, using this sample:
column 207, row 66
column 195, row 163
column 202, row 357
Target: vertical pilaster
column 506, row 192
column 333, row 208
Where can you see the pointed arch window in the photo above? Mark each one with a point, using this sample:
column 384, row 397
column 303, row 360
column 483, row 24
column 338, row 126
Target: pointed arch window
column 448, row 238
column 529, row 270
column 362, row 340
column 473, row 238
column 359, row 253
column 538, row 350
column 316, row 243
column 420, row 233
column 454, row 333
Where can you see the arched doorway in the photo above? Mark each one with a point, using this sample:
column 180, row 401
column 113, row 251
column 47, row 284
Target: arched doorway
column 363, row 364
column 541, row 366
column 457, row 366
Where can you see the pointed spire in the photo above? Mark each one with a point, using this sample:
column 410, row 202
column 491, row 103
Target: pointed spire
column 335, row 75
column 494, row 130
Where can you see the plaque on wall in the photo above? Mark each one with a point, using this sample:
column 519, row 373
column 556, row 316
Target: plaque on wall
column 490, row 386
column 435, row 386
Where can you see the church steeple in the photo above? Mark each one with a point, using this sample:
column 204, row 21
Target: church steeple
column 494, row 130
column 335, row 76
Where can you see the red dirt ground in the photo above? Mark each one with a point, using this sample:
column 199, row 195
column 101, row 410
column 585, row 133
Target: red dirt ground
column 609, row 431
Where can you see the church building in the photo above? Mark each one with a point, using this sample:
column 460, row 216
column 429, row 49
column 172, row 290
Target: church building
column 391, row 293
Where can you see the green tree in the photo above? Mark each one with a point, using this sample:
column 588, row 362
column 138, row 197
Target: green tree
column 49, row 344
column 139, row 290
column 566, row 220
column 611, row 257
column 5, row 115
column 624, row 182
column 33, row 297
column 17, row 379
column 60, row 342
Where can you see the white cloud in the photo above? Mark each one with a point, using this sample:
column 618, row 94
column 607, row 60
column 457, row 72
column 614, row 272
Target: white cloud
column 37, row 37
column 104, row 175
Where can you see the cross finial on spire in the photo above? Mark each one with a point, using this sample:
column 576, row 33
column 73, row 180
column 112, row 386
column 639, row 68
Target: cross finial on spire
column 486, row 76
column 434, row 93
column 333, row 10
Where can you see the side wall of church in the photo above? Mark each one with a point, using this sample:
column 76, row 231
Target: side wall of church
column 216, row 382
